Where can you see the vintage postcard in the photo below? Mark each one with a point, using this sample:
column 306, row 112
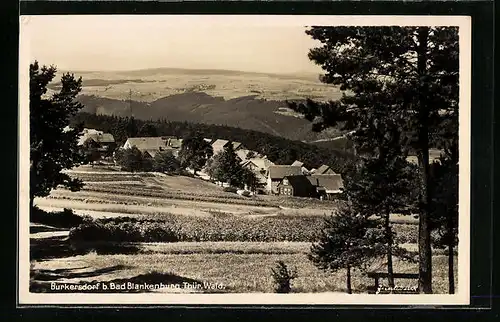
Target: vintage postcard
column 256, row 159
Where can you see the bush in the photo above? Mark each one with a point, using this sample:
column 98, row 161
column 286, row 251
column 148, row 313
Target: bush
column 283, row 276
column 61, row 219
column 230, row 189
column 173, row 228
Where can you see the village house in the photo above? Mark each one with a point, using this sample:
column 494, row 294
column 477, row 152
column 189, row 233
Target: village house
column 297, row 186
column 219, row 144
column 324, row 169
column 259, row 167
column 327, row 185
column 147, row 145
column 104, row 142
column 276, row 173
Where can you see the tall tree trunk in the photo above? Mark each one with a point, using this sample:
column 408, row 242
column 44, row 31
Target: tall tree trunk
column 388, row 235
column 349, row 288
column 424, row 236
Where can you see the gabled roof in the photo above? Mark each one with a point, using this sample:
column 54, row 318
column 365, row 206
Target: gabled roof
column 96, row 137
column 219, row 144
column 147, row 143
column 297, row 163
column 297, row 181
column 242, row 154
column 323, row 170
column 280, row 171
column 330, row 182
column 261, row 163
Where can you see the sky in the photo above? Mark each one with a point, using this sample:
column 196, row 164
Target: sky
column 99, row 43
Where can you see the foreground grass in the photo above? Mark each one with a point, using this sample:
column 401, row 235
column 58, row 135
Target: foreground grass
column 238, row 272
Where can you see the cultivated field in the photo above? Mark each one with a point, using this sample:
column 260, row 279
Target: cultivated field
column 149, row 85
column 183, row 229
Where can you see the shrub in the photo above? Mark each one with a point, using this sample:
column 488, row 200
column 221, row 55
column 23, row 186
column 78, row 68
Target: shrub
column 283, row 276
column 172, row 228
column 230, row 189
column 61, row 219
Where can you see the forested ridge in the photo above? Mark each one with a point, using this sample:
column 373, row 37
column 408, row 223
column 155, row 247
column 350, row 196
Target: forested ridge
column 278, row 149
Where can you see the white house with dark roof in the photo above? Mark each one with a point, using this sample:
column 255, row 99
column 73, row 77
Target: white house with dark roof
column 259, row 166
column 150, row 145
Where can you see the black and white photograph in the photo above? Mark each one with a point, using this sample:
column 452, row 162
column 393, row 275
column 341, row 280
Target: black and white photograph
column 256, row 159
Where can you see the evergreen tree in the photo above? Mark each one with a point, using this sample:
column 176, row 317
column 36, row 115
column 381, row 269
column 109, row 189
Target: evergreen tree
column 148, row 130
column 51, row 148
column 380, row 187
column 346, row 242
column 444, row 177
column 412, row 70
column 91, row 150
column 165, row 161
column 130, row 159
column 249, row 178
column 229, row 169
column 212, row 165
column 195, row 152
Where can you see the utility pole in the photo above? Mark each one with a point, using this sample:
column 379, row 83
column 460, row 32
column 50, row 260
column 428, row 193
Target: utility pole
column 130, row 102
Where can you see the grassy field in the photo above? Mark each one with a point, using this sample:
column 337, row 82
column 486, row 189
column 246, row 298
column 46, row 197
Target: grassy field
column 240, row 267
column 196, row 209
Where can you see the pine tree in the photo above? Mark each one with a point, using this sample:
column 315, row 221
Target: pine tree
column 195, row 152
column 165, row 161
column 444, row 177
column 228, row 169
column 413, row 71
column 346, row 242
column 51, row 148
column 130, row 159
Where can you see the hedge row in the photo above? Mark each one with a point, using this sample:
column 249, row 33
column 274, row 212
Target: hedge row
column 174, row 228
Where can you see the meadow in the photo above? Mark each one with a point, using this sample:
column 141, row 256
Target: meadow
column 157, row 228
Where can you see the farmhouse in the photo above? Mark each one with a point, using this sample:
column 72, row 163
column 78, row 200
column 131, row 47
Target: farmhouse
column 147, row 145
column 296, row 185
column 276, row 173
column 259, row 166
column 327, row 185
column 324, row 169
column 104, row 142
column 219, row 144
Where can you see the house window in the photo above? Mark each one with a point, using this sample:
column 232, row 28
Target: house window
column 285, row 182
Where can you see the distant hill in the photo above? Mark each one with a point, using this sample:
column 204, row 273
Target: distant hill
column 248, row 100
column 248, row 112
